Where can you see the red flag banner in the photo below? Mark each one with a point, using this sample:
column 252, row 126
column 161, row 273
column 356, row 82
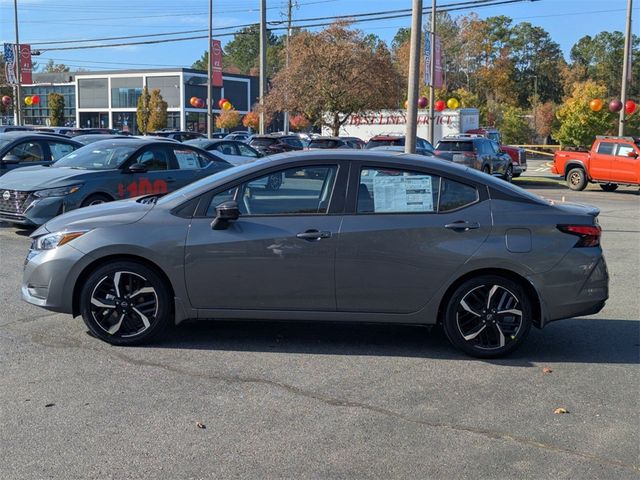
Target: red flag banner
column 438, row 80
column 216, row 63
column 25, row 64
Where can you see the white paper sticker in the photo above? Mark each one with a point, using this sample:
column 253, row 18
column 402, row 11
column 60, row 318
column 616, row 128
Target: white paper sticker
column 403, row 194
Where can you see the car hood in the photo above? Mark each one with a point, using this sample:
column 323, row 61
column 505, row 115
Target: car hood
column 121, row 212
column 28, row 179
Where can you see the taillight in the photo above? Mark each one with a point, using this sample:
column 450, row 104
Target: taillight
column 589, row 234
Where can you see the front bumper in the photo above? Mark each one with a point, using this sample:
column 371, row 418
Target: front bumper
column 35, row 211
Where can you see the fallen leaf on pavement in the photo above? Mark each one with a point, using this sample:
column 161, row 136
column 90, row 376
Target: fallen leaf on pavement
column 546, row 370
column 560, row 410
column 50, row 405
column 200, row 425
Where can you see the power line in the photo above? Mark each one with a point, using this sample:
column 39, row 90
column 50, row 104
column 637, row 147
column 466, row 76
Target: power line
column 355, row 18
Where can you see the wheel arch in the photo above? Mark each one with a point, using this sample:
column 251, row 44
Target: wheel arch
column 571, row 164
column 528, row 287
column 115, row 258
column 98, row 194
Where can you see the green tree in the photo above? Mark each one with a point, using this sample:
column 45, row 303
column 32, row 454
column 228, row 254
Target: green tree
column 143, row 111
column 157, row 111
column 514, row 126
column 52, row 67
column 56, row 109
column 578, row 125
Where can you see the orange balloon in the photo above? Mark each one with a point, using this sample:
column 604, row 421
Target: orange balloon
column 596, row 105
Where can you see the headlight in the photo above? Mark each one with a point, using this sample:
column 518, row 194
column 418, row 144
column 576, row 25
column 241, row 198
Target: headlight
column 54, row 240
column 57, row 192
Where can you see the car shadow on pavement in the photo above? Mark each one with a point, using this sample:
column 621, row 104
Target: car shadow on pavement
column 573, row 341
column 21, row 230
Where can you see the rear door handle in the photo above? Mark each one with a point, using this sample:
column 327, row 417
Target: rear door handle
column 313, row 235
column 462, row 225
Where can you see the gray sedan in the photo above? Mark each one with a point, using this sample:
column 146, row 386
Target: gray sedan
column 369, row 237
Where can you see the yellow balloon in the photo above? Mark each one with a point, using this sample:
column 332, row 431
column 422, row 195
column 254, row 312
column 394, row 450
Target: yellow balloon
column 28, row 100
column 453, row 103
column 227, row 106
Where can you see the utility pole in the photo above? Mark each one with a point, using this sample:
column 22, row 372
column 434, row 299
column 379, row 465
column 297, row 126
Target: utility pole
column 289, row 9
column 263, row 62
column 414, row 77
column 210, row 75
column 535, row 105
column 626, row 68
column 432, row 73
column 18, row 93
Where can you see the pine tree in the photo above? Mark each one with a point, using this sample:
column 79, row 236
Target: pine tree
column 157, row 111
column 143, row 112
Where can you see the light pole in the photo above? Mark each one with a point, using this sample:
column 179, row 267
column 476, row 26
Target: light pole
column 432, row 73
column 289, row 9
column 414, row 74
column 626, row 68
column 263, row 62
column 209, row 75
column 17, row 54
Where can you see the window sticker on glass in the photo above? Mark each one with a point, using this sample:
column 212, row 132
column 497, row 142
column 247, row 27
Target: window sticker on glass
column 403, row 193
column 186, row 159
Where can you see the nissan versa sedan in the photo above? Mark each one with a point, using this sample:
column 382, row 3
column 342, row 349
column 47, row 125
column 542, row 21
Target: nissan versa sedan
column 370, row 237
column 101, row 172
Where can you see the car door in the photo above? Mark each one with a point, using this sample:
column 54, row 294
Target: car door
column 405, row 234
column 626, row 168
column 279, row 254
column 159, row 176
column 600, row 161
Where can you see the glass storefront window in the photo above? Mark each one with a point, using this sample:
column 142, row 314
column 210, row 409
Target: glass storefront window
column 196, row 122
column 169, row 89
column 125, row 92
column 93, row 93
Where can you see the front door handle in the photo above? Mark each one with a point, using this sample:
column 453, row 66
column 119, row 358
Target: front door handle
column 462, row 225
column 170, row 180
column 313, row 235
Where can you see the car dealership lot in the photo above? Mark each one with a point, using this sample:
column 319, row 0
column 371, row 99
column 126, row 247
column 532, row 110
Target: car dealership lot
column 322, row 400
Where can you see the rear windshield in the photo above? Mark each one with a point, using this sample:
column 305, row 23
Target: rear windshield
column 455, row 146
column 385, row 142
column 324, row 143
column 262, row 142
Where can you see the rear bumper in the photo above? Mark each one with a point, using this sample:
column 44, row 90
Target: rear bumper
column 519, row 169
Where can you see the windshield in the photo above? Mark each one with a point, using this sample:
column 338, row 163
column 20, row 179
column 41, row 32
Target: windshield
column 382, row 143
column 97, row 157
column 495, row 136
column 262, row 142
column 455, row 146
column 3, row 143
column 324, row 143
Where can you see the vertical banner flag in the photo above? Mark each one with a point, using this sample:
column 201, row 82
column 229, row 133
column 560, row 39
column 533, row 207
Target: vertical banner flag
column 25, row 64
column 438, row 80
column 216, row 63
column 10, row 63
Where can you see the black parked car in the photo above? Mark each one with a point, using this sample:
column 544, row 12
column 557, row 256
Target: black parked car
column 28, row 148
column 236, row 150
column 329, row 142
column 178, row 135
column 270, row 144
column 476, row 151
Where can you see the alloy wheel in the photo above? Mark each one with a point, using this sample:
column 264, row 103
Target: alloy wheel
column 124, row 304
column 489, row 316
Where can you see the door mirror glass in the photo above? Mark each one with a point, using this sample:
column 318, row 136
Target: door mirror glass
column 11, row 158
column 225, row 212
column 137, row 168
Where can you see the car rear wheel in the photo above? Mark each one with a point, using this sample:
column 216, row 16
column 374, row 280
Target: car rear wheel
column 125, row 303
column 576, row 179
column 488, row 316
column 508, row 175
column 95, row 199
column 609, row 187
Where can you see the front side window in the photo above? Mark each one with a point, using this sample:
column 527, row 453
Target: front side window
column 396, row 191
column 606, row 148
column 59, row 150
column 226, row 148
column 624, row 150
column 246, row 151
column 295, row 191
column 28, row 152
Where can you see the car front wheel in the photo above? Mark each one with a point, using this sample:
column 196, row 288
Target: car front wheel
column 125, row 303
column 508, row 175
column 488, row 316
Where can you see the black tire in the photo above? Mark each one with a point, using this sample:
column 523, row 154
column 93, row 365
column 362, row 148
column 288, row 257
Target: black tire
column 516, row 175
column 486, row 169
column 482, row 331
column 123, row 316
column 95, row 199
column 274, row 182
column 609, row 187
column 508, row 174
column 577, row 179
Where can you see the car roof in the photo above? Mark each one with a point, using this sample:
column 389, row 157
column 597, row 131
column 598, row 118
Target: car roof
column 327, row 138
column 16, row 134
column 132, row 141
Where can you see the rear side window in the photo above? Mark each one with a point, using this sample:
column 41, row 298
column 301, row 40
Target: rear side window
column 455, row 146
column 606, row 148
column 396, row 191
column 454, row 195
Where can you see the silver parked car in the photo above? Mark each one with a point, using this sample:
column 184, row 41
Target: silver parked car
column 370, row 236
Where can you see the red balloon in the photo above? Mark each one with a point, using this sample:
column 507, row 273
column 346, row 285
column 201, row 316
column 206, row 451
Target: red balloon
column 440, row 105
column 630, row 107
column 615, row 106
column 35, row 99
column 422, row 102
column 6, row 100
column 199, row 103
column 222, row 101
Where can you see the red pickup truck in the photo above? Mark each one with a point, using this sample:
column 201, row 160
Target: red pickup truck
column 612, row 161
column 518, row 155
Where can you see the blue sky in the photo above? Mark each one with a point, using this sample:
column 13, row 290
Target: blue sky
column 58, row 20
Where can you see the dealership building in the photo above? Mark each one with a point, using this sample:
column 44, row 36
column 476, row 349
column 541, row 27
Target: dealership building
column 109, row 99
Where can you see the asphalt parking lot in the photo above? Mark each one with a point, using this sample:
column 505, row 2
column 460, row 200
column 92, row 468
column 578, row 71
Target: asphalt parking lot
column 287, row 400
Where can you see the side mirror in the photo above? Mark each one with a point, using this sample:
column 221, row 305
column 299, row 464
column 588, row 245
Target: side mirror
column 225, row 212
column 632, row 154
column 11, row 158
column 137, row 168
